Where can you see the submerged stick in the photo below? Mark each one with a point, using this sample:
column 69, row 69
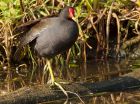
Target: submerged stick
column 43, row 93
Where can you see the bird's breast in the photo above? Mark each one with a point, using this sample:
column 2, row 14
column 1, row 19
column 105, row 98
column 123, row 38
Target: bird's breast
column 56, row 38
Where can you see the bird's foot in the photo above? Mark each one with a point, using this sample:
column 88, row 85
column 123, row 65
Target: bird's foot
column 55, row 84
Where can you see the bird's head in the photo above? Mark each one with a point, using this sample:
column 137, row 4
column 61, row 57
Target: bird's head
column 67, row 12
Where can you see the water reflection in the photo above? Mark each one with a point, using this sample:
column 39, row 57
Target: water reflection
column 83, row 72
column 97, row 70
column 92, row 71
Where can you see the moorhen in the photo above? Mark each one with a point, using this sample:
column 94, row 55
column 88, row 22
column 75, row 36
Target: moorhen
column 53, row 35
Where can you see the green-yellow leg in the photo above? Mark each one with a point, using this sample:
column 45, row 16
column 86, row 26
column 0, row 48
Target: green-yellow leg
column 51, row 72
column 57, row 84
column 53, row 80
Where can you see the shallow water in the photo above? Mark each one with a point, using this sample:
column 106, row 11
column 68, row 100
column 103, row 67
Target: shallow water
column 91, row 71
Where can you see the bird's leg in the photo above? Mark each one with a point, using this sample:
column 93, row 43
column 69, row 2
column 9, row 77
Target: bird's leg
column 53, row 80
column 51, row 72
column 44, row 72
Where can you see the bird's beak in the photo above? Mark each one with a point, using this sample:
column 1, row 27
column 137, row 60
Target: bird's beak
column 71, row 15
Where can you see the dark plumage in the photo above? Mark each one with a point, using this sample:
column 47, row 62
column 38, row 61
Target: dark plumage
column 53, row 35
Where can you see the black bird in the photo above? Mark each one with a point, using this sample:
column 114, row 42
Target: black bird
column 53, row 35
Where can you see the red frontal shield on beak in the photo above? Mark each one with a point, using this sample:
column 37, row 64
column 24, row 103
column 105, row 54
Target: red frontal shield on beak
column 71, row 12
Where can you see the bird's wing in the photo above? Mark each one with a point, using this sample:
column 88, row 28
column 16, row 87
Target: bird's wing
column 34, row 32
column 25, row 27
column 29, row 23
